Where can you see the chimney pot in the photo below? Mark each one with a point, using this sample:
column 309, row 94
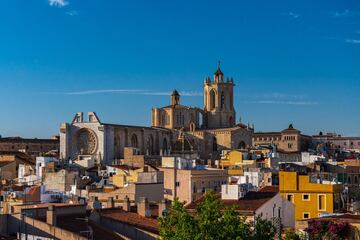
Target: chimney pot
column 143, row 208
column 110, row 203
column 51, row 215
column 126, row 204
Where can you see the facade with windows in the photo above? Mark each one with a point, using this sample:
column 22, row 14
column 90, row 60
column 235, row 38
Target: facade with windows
column 311, row 200
column 190, row 184
column 288, row 140
column 337, row 141
column 31, row 146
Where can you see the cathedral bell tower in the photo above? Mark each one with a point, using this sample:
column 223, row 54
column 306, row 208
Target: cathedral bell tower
column 219, row 101
column 175, row 98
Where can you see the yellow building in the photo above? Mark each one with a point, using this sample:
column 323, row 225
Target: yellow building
column 126, row 174
column 235, row 158
column 310, row 199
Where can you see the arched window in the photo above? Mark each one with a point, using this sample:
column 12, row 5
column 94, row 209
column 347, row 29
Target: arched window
column 150, row 145
column 212, row 99
column 242, row 145
column 134, row 141
column 222, row 100
column 165, row 145
column 215, row 145
column 230, row 121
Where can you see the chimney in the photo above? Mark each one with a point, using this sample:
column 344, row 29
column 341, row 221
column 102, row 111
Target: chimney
column 96, row 203
column 162, row 207
column 51, row 215
column 126, row 204
column 110, row 202
column 143, row 207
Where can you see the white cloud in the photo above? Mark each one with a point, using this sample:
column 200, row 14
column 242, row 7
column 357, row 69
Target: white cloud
column 344, row 13
column 283, row 96
column 58, row 3
column 285, row 102
column 128, row 91
column 294, row 15
column 72, row 13
column 102, row 91
column 354, row 41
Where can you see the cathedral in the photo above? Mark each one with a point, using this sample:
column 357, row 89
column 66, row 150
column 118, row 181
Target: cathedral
column 175, row 129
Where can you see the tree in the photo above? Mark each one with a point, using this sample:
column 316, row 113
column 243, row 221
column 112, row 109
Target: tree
column 177, row 224
column 212, row 221
column 234, row 226
column 263, row 229
column 291, row 235
column 209, row 216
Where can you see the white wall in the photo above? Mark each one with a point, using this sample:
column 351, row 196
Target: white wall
column 287, row 210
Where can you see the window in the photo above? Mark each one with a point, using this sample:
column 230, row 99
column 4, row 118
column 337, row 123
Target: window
column 212, row 99
column 306, row 215
column 306, row 197
column 222, row 100
column 177, row 184
column 290, row 197
column 134, row 141
column 321, row 202
column 215, row 146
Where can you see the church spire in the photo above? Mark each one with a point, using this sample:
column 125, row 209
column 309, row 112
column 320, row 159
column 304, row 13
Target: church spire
column 218, row 75
column 175, row 98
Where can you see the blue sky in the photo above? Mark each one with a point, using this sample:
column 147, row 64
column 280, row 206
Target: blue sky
column 292, row 61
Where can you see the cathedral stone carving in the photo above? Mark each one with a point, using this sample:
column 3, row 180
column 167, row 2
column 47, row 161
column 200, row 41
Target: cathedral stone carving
column 86, row 142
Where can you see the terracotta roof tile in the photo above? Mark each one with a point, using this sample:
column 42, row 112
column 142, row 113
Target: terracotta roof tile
column 249, row 204
column 149, row 224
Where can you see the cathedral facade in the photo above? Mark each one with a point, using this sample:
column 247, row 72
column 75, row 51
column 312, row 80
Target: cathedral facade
column 206, row 130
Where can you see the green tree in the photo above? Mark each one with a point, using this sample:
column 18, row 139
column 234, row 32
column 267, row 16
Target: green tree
column 234, row 226
column 263, row 229
column 177, row 224
column 209, row 217
column 291, row 235
column 212, row 221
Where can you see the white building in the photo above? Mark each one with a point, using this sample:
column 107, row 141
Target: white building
column 253, row 177
column 307, row 157
column 233, row 191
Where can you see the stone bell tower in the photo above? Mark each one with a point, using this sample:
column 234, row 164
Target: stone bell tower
column 219, row 101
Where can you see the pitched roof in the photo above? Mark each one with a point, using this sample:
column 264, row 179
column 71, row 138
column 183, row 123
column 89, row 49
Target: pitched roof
column 247, row 205
column 274, row 189
column 4, row 163
column 18, row 154
column 134, row 219
column 28, row 140
column 175, row 92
